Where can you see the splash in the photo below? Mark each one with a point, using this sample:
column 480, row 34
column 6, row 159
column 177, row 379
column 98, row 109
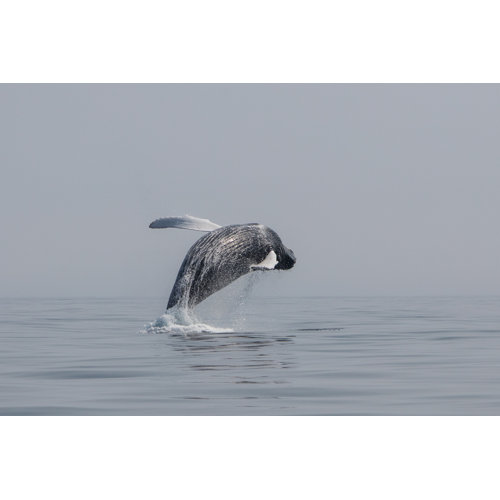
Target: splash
column 177, row 320
column 226, row 306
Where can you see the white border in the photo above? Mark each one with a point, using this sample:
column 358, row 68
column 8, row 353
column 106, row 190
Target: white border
column 258, row 41
column 248, row 458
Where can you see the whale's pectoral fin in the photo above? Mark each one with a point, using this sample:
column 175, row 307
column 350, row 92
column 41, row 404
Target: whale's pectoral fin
column 185, row 222
column 268, row 263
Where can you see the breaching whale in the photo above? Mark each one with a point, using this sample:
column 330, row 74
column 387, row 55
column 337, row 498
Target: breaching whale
column 222, row 256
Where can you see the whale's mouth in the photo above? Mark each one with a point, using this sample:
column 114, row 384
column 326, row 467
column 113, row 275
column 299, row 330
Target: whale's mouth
column 287, row 261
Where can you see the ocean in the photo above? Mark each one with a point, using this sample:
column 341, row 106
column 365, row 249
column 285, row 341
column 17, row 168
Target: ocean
column 251, row 355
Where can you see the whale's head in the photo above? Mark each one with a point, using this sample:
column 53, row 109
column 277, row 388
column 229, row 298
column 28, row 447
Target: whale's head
column 277, row 255
column 286, row 258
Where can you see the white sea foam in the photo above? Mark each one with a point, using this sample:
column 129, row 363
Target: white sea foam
column 181, row 321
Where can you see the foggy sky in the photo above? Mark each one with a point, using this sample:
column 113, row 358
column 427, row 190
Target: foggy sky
column 378, row 189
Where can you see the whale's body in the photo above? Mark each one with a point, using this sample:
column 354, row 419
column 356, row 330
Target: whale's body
column 222, row 256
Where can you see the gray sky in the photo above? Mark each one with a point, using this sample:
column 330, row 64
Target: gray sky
column 378, row 189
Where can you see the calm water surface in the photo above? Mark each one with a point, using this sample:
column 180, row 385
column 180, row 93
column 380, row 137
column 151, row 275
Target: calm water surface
column 286, row 356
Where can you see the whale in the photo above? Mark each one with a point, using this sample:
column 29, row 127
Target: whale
column 222, row 256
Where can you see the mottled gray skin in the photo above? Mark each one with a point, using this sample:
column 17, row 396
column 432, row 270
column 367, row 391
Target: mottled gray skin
column 222, row 256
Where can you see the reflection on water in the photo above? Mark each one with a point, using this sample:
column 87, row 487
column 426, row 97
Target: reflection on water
column 266, row 357
column 251, row 358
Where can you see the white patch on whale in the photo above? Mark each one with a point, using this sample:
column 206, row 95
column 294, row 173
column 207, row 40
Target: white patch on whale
column 268, row 263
